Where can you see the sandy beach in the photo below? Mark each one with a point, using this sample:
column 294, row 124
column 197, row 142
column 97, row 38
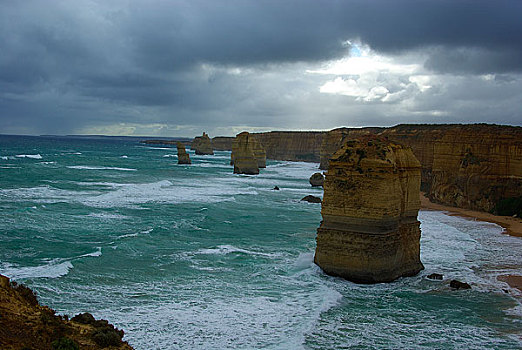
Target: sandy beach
column 511, row 225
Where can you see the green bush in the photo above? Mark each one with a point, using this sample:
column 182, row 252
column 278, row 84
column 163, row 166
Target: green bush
column 64, row 343
column 509, row 207
column 106, row 337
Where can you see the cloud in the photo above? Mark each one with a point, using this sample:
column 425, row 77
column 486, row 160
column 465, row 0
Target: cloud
column 176, row 66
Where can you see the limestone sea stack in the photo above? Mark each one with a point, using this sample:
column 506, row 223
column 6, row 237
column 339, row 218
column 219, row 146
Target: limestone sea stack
column 202, row 145
column 243, row 156
column 183, row 157
column 257, row 148
column 370, row 232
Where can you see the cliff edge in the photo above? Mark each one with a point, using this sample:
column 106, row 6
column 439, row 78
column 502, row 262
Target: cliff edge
column 370, row 232
column 25, row 324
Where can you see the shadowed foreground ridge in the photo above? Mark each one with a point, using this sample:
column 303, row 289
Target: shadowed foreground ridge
column 24, row 324
column 370, row 232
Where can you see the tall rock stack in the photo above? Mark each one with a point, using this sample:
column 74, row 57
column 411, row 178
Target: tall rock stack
column 370, row 232
column 183, row 157
column 202, row 145
column 243, row 156
column 257, row 149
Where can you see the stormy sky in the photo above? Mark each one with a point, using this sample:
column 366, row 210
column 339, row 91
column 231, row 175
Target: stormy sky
column 176, row 68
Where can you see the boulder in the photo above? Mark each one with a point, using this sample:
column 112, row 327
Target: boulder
column 370, row 232
column 435, row 276
column 244, row 159
column 311, row 199
column 183, row 156
column 317, row 180
column 275, row 188
column 202, row 145
column 455, row 284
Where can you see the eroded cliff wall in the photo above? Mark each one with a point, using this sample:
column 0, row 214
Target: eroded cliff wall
column 291, row 145
column 370, row 232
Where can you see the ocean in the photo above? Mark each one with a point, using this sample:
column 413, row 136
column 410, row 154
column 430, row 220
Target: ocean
column 195, row 257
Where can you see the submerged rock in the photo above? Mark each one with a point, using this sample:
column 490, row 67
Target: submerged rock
column 25, row 324
column 202, row 145
column 317, row 180
column 243, row 156
column 311, row 199
column 455, row 284
column 435, row 276
column 370, row 232
column 183, row 156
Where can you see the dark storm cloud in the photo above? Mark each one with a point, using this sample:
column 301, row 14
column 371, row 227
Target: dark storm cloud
column 69, row 64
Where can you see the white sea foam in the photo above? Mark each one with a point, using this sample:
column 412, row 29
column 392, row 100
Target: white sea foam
column 53, row 269
column 108, row 216
column 125, row 157
column 97, row 253
column 86, row 167
column 47, row 163
column 32, row 156
column 170, row 156
column 230, row 249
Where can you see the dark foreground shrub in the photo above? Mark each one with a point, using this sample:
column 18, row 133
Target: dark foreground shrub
column 106, row 337
column 509, row 207
column 64, row 344
column 25, row 292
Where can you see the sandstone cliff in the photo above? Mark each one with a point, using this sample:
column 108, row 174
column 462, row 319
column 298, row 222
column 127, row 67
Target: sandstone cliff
column 467, row 166
column 370, row 232
column 243, row 157
column 202, row 145
column 183, row 156
column 24, row 324
column 291, row 145
column 222, row 143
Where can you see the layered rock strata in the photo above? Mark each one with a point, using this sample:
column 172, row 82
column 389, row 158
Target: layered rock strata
column 370, row 232
column 243, row 157
column 291, row 145
column 183, row 156
column 202, row 145
column 254, row 144
column 25, row 324
column 222, row 143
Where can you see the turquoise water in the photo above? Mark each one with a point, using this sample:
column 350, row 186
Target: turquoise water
column 194, row 257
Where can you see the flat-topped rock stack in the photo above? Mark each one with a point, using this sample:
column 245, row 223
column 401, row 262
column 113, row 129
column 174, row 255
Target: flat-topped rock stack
column 370, row 232
column 243, row 156
column 253, row 143
column 183, row 156
column 202, row 145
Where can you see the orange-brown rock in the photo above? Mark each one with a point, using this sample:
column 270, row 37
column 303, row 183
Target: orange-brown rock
column 370, row 232
column 183, row 156
column 467, row 166
column 202, row 145
column 243, row 157
column 24, row 324
column 291, row 145
column 254, row 144
column 336, row 138
column 222, row 143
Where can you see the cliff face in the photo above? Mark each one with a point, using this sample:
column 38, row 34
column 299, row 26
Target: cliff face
column 370, row 232
column 183, row 157
column 243, row 156
column 202, row 145
column 467, row 166
column 24, row 324
column 291, row 145
column 222, row 143
column 336, row 138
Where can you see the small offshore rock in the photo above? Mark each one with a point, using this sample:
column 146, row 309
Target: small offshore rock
column 435, row 276
column 455, row 284
column 183, row 156
column 275, row 188
column 311, row 199
column 317, row 180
